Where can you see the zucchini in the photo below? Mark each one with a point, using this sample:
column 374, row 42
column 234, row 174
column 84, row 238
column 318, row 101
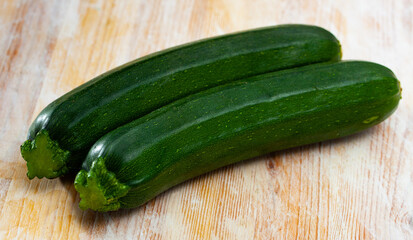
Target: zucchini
column 61, row 135
column 229, row 123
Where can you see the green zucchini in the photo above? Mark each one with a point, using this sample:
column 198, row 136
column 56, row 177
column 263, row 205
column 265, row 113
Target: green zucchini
column 229, row 123
column 63, row 132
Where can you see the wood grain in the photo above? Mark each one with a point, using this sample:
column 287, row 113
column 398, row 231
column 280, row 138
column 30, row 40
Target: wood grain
column 359, row 187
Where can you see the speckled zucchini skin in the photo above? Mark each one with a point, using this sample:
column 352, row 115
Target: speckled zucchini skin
column 234, row 122
column 76, row 120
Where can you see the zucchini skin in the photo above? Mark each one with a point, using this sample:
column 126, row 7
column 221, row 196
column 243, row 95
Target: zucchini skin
column 76, row 120
column 234, row 122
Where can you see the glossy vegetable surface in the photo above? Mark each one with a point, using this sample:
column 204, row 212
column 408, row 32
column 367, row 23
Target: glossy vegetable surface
column 233, row 122
column 63, row 132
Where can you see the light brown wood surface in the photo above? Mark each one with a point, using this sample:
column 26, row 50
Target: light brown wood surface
column 359, row 187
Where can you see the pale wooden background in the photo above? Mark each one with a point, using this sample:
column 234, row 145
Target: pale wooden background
column 359, row 187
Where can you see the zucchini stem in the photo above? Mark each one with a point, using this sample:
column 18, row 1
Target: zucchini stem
column 44, row 157
column 99, row 189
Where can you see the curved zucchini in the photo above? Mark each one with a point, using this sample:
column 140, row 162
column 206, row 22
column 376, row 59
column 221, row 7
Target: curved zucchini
column 229, row 123
column 63, row 132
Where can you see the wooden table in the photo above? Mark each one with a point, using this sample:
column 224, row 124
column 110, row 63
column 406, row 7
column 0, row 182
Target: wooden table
column 359, row 187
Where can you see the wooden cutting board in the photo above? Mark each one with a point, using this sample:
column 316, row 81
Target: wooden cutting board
column 359, row 187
